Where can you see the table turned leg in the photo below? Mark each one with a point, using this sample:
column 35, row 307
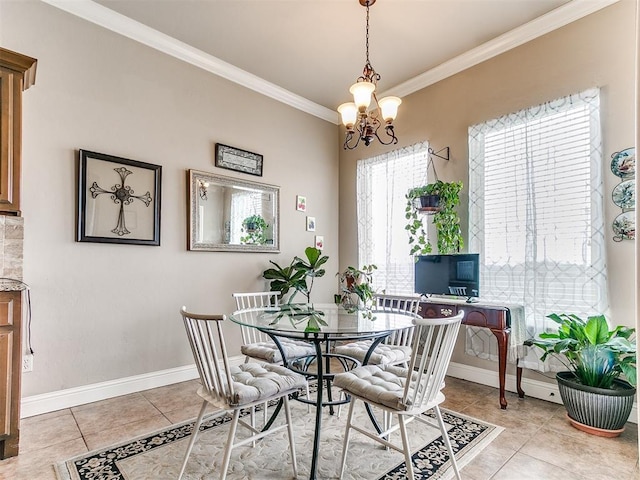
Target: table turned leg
column 519, row 379
column 502, row 337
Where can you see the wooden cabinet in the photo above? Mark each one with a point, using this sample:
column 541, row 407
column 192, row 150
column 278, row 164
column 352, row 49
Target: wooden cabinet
column 494, row 317
column 10, row 371
column 17, row 73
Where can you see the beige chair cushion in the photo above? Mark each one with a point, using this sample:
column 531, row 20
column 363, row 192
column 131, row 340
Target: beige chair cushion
column 381, row 384
column 268, row 351
column 253, row 382
column 382, row 355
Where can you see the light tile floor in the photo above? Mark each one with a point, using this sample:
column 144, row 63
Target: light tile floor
column 537, row 443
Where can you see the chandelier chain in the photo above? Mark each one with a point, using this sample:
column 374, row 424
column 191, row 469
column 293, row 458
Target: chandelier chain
column 367, row 35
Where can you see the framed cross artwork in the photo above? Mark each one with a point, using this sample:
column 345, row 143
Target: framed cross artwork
column 118, row 200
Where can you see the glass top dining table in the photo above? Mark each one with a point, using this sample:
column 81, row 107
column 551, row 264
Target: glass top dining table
column 323, row 325
column 326, row 320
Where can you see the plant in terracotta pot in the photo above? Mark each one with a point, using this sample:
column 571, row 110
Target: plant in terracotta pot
column 597, row 398
column 440, row 199
column 355, row 286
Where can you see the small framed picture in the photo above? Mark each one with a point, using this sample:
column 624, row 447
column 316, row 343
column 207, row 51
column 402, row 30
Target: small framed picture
column 301, row 203
column 311, row 224
column 319, row 242
column 118, row 200
column 233, row 158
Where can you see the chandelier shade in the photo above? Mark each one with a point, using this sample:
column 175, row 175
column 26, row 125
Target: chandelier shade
column 349, row 114
column 361, row 92
column 389, row 108
column 365, row 115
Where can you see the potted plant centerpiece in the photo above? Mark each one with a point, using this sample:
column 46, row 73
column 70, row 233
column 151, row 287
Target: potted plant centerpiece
column 440, row 199
column 355, row 287
column 597, row 398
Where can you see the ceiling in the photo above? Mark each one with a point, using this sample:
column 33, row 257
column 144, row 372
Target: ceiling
column 308, row 53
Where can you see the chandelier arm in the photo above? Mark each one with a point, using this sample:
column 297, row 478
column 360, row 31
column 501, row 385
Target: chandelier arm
column 348, row 138
column 388, row 129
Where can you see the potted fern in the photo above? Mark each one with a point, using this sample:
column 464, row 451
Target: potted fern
column 440, row 199
column 599, row 386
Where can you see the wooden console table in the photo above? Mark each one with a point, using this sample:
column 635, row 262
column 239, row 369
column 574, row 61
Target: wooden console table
column 494, row 317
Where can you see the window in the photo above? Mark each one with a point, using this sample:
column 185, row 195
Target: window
column 536, row 210
column 382, row 183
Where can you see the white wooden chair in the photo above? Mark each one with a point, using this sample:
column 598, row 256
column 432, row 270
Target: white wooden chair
column 405, row 392
column 257, row 345
column 232, row 388
column 396, row 348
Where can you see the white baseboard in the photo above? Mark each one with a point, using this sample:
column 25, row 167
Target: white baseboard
column 532, row 388
column 72, row 397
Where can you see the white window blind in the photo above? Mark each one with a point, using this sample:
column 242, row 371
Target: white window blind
column 536, row 212
column 382, row 183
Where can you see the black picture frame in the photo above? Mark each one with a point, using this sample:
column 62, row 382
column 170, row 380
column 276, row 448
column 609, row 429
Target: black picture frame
column 118, row 200
column 233, row 158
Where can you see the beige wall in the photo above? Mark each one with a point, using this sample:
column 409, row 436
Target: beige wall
column 103, row 312
column 598, row 50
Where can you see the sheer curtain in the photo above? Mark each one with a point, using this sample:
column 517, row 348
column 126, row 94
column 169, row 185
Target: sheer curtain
column 382, row 183
column 536, row 214
column 243, row 204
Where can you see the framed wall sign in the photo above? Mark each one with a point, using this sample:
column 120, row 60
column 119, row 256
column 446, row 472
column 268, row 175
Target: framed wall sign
column 118, row 200
column 233, row 158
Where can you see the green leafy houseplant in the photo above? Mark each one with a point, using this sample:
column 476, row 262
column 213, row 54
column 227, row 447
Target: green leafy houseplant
column 297, row 273
column 445, row 218
column 254, row 226
column 594, row 354
column 355, row 285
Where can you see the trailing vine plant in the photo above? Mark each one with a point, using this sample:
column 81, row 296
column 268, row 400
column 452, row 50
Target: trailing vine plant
column 445, row 218
column 255, row 228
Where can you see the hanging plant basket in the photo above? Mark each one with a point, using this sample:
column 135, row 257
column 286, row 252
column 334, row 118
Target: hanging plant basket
column 440, row 200
column 428, row 203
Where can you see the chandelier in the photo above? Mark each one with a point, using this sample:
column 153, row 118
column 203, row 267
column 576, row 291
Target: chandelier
column 361, row 122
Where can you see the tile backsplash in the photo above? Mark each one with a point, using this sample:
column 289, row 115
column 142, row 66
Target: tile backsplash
column 11, row 246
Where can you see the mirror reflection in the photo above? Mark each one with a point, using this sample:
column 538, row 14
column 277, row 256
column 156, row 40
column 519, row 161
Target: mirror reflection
column 230, row 214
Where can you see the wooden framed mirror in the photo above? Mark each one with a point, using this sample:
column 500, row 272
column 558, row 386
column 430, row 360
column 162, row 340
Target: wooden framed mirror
column 232, row 215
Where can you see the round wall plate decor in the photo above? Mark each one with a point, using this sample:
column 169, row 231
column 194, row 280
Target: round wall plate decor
column 624, row 194
column 623, row 164
column 624, row 226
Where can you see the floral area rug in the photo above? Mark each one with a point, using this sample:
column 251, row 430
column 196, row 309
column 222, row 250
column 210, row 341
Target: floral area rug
column 159, row 455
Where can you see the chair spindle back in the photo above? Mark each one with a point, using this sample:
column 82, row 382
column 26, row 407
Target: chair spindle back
column 245, row 301
column 431, row 353
column 210, row 354
column 396, row 302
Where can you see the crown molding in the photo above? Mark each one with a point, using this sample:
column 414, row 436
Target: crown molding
column 557, row 18
column 118, row 23
column 111, row 20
